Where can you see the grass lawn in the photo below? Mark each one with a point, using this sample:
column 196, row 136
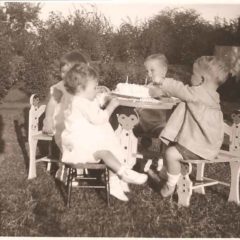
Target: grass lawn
column 35, row 207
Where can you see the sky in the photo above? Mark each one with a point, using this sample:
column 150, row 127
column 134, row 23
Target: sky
column 117, row 11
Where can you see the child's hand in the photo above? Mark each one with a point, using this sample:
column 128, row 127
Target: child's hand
column 103, row 89
column 114, row 102
column 102, row 99
column 107, row 99
column 155, row 91
column 158, row 80
column 48, row 126
column 155, row 84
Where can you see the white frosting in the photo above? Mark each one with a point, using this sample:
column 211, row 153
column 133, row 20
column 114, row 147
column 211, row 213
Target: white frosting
column 133, row 90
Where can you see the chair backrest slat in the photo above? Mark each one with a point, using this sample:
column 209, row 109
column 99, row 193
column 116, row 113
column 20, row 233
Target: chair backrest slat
column 35, row 113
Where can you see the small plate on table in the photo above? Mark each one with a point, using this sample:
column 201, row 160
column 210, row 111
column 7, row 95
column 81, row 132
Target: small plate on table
column 124, row 96
column 146, row 99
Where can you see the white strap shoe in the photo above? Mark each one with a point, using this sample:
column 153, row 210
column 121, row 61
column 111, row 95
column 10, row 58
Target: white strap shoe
column 124, row 186
column 116, row 189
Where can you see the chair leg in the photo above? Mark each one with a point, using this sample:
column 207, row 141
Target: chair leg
column 184, row 186
column 199, row 177
column 69, row 187
column 106, row 174
column 49, row 164
column 32, row 158
column 64, row 174
column 234, row 188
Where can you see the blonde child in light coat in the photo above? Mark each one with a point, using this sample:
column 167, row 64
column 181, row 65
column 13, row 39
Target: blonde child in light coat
column 195, row 130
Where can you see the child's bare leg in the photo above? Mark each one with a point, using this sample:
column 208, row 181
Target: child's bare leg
column 114, row 182
column 172, row 157
column 162, row 160
column 163, row 151
column 162, row 165
column 109, row 159
column 172, row 160
column 125, row 174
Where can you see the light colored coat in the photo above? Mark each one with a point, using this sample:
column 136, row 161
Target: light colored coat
column 197, row 122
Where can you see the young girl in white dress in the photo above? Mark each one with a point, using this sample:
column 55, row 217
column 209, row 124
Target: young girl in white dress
column 88, row 136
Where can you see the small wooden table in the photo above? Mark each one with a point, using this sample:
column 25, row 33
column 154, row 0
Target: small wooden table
column 127, row 121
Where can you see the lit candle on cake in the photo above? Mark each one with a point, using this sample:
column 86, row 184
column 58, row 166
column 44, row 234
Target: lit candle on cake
column 127, row 79
column 146, row 81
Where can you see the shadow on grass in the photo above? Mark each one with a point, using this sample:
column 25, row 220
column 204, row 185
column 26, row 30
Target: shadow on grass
column 2, row 142
column 62, row 189
column 96, row 180
column 22, row 139
column 21, row 130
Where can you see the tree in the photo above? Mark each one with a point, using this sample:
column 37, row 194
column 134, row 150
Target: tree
column 17, row 21
column 125, row 43
column 80, row 31
column 180, row 34
column 22, row 19
column 5, row 54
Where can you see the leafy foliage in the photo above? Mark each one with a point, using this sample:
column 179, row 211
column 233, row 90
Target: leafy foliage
column 182, row 35
column 5, row 56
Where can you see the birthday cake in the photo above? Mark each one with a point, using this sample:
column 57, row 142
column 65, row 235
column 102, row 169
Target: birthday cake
column 132, row 90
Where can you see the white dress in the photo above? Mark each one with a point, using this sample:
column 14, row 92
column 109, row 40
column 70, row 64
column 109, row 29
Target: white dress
column 87, row 131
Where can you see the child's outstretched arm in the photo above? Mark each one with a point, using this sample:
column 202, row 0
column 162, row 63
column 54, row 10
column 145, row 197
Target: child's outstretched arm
column 96, row 115
column 155, row 91
column 113, row 104
column 173, row 88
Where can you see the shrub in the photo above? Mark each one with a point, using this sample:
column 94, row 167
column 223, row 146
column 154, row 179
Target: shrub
column 177, row 33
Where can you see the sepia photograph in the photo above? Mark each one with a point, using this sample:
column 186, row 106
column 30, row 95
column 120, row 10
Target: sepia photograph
column 120, row 119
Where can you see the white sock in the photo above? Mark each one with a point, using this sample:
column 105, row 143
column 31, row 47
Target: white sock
column 160, row 164
column 148, row 165
column 173, row 179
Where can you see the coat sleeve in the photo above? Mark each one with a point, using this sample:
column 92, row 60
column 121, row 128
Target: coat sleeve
column 173, row 88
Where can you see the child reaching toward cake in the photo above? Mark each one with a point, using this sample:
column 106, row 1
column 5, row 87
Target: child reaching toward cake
column 195, row 129
column 88, row 136
column 152, row 121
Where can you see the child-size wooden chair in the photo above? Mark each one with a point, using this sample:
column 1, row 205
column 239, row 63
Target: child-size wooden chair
column 81, row 176
column 35, row 135
column 186, row 186
column 75, row 172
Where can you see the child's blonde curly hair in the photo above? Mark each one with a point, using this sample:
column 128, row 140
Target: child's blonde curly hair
column 79, row 75
column 212, row 67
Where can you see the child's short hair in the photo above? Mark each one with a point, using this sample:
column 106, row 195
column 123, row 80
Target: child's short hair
column 72, row 57
column 79, row 75
column 208, row 63
column 160, row 57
